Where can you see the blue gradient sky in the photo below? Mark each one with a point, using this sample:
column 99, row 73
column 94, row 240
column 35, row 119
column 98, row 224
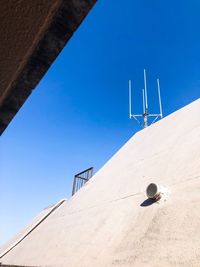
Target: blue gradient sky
column 78, row 115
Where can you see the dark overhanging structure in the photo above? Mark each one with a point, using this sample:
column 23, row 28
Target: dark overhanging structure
column 32, row 34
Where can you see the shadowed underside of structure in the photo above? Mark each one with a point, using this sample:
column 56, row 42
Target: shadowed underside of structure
column 109, row 222
column 32, row 34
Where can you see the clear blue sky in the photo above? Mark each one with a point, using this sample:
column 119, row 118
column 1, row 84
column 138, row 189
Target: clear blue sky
column 78, row 115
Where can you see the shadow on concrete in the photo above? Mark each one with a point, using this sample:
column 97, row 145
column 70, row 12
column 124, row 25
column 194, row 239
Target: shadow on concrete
column 147, row 202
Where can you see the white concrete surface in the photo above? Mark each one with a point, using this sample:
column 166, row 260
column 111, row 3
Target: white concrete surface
column 109, row 222
column 43, row 215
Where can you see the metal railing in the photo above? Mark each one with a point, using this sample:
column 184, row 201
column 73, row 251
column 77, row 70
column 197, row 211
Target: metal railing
column 81, row 178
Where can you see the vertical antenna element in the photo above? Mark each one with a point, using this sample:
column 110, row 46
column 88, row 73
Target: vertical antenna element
column 143, row 101
column 159, row 97
column 145, row 91
column 129, row 87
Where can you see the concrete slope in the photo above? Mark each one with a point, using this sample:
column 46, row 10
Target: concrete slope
column 110, row 223
column 43, row 215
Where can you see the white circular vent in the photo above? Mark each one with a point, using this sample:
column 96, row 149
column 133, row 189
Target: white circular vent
column 154, row 191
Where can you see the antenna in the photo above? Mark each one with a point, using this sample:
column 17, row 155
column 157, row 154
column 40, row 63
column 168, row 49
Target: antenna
column 159, row 97
column 130, row 100
column 145, row 91
column 143, row 101
column 145, row 114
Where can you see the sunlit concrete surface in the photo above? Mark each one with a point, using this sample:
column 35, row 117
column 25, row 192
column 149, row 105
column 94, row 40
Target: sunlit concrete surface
column 110, row 221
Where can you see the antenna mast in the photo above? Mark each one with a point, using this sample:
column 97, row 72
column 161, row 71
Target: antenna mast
column 145, row 114
column 159, row 97
column 130, row 100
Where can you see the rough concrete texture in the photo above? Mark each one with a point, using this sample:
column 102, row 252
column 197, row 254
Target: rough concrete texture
column 32, row 34
column 109, row 222
column 29, row 228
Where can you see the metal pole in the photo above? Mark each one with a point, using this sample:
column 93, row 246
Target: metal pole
column 145, row 90
column 146, row 101
column 129, row 86
column 160, row 103
column 143, row 101
column 145, row 121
